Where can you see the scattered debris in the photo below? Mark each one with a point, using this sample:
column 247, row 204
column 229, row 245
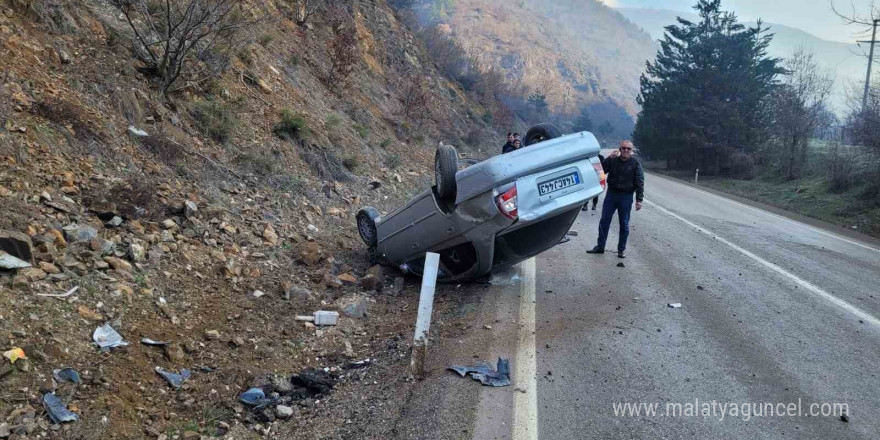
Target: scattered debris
column 505, row 278
column 175, row 379
column 485, row 374
column 572, row 233
column 66, row 374
column 10, row 262
column 107, row 338
column 323, row 317
column 259, row 293
column 212, row 335
column 254, row 397
column 60, row 295
column 137, row 131
column 56, row 409
column 673, row 305
column 699, row 287
column 621, row 264
column 148, row 341
column 844, row 418
column 14, row 355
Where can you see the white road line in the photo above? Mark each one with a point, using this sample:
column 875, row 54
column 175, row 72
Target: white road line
column 859, row 313
column 525, row 399
column 785, row 219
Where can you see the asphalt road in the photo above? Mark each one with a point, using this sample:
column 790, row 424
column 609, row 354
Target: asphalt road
column 770, row 313
column 773, row 311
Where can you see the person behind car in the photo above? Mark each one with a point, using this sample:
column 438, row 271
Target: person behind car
column 625, row 178
column 508, row 147
column 595, row 199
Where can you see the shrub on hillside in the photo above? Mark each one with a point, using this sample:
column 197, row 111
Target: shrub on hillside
column 841, row 174
column 214, row 118
column 291, row 127
column 742, row 166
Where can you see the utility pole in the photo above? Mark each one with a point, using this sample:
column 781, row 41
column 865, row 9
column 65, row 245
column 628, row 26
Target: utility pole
column 870, row 62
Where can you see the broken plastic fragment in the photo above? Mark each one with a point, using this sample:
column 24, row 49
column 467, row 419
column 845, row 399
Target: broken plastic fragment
column 148, row 341
column 107, row 338
column 254, row 397
column 66, row 375
column 674, row 305
column 14, row 355
column 485, row 374
column 176, row 380
column 56, row 409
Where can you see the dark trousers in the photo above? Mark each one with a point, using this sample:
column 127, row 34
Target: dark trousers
column 622, row 203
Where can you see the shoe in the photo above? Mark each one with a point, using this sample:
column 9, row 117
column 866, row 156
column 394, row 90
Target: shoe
column 586, row 208
column 621, row 254
column 594, row 207
column 596, row 250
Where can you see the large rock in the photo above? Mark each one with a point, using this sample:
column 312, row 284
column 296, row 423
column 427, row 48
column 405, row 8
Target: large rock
column 75, row 233
column 136, row 252
column 353, row 306
column 17, row 244
column 311, row 254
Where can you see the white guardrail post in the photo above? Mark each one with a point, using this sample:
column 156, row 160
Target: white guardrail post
column 697, row 176
column 423, row 321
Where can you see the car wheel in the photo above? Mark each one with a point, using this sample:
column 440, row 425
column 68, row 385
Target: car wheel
column 366, row 224
column 541, row 133
column 445, row 167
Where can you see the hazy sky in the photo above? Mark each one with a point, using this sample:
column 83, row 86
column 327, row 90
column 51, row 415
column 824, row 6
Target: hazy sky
column 813, row 16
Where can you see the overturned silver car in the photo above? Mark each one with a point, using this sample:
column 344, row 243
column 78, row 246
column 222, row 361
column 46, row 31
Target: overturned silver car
column 493, row 214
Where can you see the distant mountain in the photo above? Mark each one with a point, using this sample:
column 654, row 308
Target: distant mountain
column 577, row 52
column 840, row 59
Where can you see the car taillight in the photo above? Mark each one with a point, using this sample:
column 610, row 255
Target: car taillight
column 507, row 203
column 600, row 173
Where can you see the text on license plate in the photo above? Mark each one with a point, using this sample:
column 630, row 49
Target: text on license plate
column 558, row 183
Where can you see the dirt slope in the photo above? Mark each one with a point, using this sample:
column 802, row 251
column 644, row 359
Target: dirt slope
column 225, row 231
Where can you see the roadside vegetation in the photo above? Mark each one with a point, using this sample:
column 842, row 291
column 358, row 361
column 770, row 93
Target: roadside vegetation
column 756, row 126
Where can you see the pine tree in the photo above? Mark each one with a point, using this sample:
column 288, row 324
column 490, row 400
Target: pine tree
column 704, row 96
column 583, row 122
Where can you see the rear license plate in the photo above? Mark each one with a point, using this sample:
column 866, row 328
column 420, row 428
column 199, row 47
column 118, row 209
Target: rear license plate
column 557, row 184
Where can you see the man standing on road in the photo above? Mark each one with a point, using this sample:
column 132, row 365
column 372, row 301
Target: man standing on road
column 625, row 178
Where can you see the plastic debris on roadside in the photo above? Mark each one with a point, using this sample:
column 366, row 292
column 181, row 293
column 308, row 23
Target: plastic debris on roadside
column 66, row 375
column 176, row 380
column 107, row 338
column 14, row 355
column 255, row 397
column 485, row 374
column 148, row 341
column 57, row 410
column 673, row 305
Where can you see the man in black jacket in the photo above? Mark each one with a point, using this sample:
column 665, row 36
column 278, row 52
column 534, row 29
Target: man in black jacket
column 625, row 178
column 508, row 147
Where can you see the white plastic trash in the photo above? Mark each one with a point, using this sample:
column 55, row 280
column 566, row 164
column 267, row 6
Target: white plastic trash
column 323, row 317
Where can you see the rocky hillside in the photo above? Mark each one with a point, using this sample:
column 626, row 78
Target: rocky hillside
column 206, row 219
column 576, row 52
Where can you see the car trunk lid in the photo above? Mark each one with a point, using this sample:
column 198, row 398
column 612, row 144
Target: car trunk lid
column 506, row 168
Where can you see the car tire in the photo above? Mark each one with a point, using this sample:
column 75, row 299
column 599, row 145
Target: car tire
column 366, row 225
column 541, row 133
column 445, row 167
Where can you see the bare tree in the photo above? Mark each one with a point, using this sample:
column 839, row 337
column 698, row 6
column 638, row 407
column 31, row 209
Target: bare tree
column 798, row 107
column 169, row 34
column 344, row 56
column 416, row 97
